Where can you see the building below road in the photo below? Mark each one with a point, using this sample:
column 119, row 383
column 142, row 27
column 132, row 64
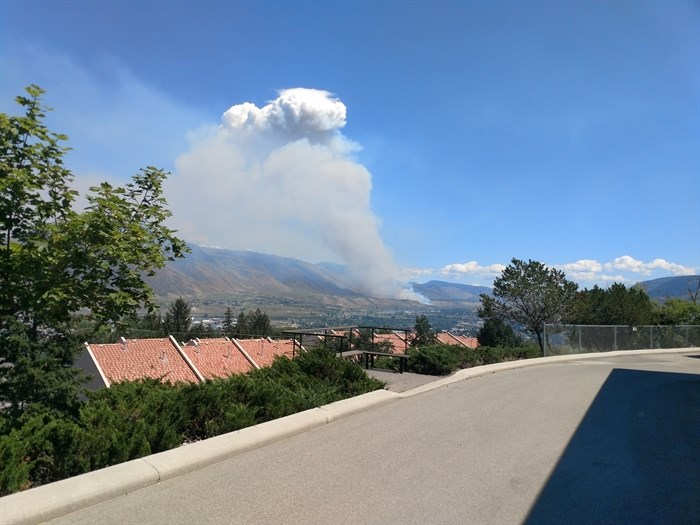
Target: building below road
column 199, row 360
column 167, row 360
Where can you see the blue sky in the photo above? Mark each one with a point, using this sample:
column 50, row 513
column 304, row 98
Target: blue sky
column 472, row 132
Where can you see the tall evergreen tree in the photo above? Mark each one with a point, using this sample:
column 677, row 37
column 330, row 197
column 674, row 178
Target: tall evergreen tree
column 242, row 324
column 259, row 323
column 179, row 317
column 228, row 323
column 425, row 335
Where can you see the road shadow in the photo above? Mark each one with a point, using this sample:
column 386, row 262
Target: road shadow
column 635, row 457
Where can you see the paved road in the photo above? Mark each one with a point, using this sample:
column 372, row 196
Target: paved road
column 610, row 440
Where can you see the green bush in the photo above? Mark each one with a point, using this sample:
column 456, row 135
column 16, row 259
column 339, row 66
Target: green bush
column 134, row 419
column 15, row 471
column 212, row 409
column 445, row 359
column 436, row 360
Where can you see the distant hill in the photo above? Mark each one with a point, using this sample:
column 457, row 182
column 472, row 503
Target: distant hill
column 230, row 276
column 670, row 287
column 442, row 293
column 217, row 273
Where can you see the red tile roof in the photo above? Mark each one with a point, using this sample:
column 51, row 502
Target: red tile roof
column 263, row 351
column 471, row 342
column 448, row 338
column 135, row 359
column 398, row 342
column 216, row 357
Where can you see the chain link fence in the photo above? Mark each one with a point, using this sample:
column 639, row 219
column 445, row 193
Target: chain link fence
column 580, row 339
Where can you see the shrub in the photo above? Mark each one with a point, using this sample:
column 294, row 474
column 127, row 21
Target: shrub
column 14, row 474
column 212, row 409
column 134, row 419
column 436, row 360
column 445, row 359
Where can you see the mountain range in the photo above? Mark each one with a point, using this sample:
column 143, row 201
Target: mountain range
column 243, row 277
column 221, row 276
column 680, row 287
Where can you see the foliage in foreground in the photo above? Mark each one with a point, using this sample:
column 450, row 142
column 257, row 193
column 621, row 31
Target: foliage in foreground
column 56, row 261
column 445, row 359
column 134, row 419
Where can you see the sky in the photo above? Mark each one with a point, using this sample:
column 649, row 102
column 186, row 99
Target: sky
column 407, row 140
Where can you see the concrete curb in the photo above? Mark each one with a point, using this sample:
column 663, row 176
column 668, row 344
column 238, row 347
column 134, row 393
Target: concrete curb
column 63, row 497
column 479, row 371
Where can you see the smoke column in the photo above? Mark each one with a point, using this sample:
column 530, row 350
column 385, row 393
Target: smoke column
column 283, row 179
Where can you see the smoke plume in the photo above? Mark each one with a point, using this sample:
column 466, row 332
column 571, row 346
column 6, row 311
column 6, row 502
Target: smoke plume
column 283, row 179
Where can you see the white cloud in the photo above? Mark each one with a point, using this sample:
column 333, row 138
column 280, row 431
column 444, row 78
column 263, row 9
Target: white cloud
column 472, row 268
column 630, row 264
column 582, row 266
column 624, row 269
column 593, row 277
column 296, row 112
column 586, row 272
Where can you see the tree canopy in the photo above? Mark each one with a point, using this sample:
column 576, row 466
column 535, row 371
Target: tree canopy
column 56, row 261
column 678, row 311
column 228, row 323
column 254, row 323
column 616, row 305
column 530, row 294
column 496, row 332
column 178, row 318
column 425, row 335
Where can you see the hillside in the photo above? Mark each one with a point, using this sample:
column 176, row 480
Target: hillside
column 292, row 290
column 450, row 294
column 670, row 287
column 210, row 273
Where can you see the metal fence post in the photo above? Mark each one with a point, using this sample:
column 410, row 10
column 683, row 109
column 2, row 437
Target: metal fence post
column 579, row 339
column 544, row 343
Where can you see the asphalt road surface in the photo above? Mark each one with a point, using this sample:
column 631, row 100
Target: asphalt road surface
column 610, row 440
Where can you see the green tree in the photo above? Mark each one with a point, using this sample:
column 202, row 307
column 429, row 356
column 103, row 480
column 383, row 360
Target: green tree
column 425, row 335
column 241, row 324
column 495, row 332
column 678, row 311
column 530, row 294
column 178, row 319
column 258, row 323
column 616, row 305
column 228, row 324
column 55, row 261
column 151, row 322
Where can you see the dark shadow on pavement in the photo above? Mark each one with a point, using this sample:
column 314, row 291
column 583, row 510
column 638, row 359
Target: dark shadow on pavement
column 635, row 457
